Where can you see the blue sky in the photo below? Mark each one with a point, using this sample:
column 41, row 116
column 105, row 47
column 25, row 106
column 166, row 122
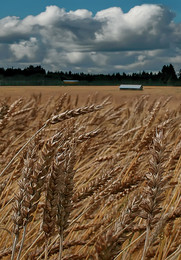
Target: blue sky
column 105, row 36
column 23, row 8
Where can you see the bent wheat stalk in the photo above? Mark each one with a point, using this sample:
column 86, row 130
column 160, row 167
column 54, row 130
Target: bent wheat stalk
column 57, row 119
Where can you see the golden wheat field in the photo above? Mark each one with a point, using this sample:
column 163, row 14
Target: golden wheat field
column 90, row 173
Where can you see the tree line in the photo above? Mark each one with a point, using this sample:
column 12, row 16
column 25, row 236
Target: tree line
column 36, row 75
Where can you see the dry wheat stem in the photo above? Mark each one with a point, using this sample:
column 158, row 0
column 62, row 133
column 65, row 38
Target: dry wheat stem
column 112, row 148
column 57, row 119
column 14, row 246
column 175, row 254
column 122, row 251
column 34, row 242
column 22, row 242
column 46, row 248
column 22, row 148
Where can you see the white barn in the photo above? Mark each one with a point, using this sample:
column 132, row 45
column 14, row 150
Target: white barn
column 130, row 87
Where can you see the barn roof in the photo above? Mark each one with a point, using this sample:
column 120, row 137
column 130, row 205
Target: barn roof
column 70, row 81
column 131, row 87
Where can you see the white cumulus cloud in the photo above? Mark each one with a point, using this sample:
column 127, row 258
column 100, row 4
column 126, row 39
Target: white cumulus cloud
column 145, row 37
column 25, row 49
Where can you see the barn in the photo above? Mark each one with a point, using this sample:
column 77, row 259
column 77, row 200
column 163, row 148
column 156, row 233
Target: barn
column 70, row 81
column 130, row 87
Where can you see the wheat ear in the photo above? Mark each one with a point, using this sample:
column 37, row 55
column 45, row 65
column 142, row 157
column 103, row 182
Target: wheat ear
column 56, row 119
column 58, row 195
column 155, row 187
column 26, row 201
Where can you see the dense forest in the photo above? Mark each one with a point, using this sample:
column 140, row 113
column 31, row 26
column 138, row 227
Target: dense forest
column 36, row 75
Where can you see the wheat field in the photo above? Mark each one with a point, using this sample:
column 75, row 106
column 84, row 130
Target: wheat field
column 91, row 176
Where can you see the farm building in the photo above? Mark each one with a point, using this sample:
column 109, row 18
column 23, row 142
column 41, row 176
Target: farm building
column 131, row 87
column 69, row 81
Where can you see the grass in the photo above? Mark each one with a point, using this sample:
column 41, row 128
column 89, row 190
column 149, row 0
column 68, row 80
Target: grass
column 100, row 180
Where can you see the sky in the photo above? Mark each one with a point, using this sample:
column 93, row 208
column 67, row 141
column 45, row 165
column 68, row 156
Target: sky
column 97, row 36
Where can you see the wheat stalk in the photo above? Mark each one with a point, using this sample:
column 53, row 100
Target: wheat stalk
column 155, row 187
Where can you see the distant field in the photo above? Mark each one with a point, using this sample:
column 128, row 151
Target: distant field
column 83, row 91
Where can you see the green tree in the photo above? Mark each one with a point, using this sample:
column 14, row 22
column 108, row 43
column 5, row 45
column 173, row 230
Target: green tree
column 168, row 73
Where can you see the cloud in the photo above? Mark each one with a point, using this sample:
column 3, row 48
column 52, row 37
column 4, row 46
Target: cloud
column 146, row 37
column 143, row 27
column 25, row 49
